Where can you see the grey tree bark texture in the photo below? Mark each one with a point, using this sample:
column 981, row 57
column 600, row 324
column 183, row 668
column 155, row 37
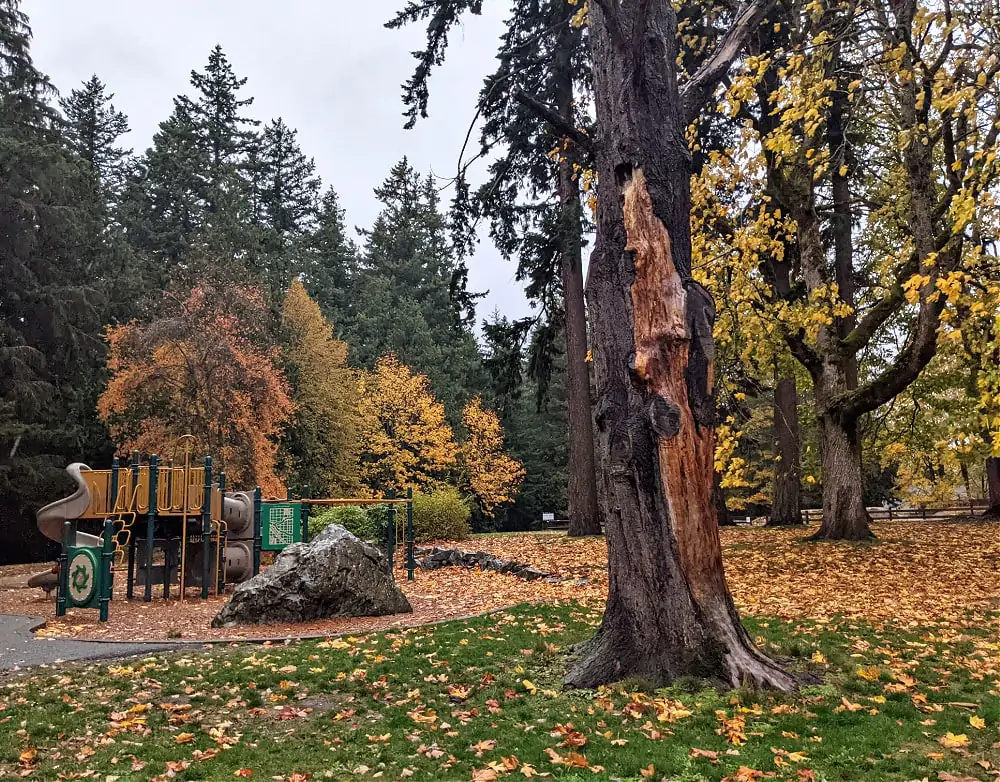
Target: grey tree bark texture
column 669, row 613
column 786, row 508
column 584, row 518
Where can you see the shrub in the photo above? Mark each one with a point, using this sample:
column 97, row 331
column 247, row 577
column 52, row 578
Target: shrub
column 440, row 515
column 367, row 524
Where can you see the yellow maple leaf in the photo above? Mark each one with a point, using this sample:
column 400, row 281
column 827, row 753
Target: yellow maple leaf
column 977, row 722
column 954, row 740
column 870, row 674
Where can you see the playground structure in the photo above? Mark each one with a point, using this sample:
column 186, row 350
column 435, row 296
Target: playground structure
column 206, row 536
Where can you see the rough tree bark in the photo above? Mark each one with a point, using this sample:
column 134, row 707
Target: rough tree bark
column 786, row 508
column 584, row 518
column 669, row 612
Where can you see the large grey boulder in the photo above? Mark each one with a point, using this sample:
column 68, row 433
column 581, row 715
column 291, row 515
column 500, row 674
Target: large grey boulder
column 333, row 575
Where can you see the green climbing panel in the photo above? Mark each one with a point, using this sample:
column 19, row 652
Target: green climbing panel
column 281, row 525
column 85, row 579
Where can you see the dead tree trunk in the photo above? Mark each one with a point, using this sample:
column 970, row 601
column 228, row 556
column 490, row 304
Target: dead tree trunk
column 669, row 612
column 786, row 509
column 582, row 488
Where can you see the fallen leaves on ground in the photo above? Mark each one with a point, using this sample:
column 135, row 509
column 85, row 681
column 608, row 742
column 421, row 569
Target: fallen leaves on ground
column 909, row 680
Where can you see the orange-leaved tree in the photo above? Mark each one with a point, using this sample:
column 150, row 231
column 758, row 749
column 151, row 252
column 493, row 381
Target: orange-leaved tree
column 202, row 366
column 492, row 475
column 321, row 446
column 405, row 439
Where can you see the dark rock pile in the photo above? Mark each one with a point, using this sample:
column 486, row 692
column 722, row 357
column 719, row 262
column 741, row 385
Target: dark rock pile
column 435, row 558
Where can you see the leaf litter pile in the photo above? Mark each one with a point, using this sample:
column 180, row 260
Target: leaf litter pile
column 901, row 640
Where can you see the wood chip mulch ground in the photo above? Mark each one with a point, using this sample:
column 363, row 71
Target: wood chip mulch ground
column 438, row 595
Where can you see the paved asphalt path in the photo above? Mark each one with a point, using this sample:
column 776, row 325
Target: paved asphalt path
column 20, row 648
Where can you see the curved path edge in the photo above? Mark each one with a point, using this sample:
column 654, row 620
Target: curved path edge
column 21, row 648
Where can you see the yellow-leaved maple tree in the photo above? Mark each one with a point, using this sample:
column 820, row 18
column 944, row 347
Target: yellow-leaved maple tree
column 321, row 446
column 405, row 439
column 493, row 476
column 202, row 367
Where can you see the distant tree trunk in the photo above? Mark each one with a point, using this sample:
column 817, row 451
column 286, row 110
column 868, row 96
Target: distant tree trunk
column 843, row 216
column 786, row 508
column 844, row 514
column 993, row 486
column 669, row 612
column 584, row 518
column 582, row 490
column 719, row 498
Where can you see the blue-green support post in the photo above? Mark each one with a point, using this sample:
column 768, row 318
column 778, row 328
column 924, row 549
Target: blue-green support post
column 107, row 554
column 62, row 593
column 221, row 558
column 257, row 532
column 410, row 562
column 132, row 542
column 170, row 482
column 154, row 474
column 206, row 530
column 305, row 515
column 115, row 466
column 390, row 532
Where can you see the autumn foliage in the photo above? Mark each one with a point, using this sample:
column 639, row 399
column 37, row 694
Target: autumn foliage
column 322, row 443
column 493, row 476
column 405, row 438
column 199, row 369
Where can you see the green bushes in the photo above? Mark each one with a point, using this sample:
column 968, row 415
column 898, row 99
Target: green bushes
column 440, row 515
column 365, row 523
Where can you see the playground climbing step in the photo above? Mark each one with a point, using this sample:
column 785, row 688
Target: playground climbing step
column 20, row 648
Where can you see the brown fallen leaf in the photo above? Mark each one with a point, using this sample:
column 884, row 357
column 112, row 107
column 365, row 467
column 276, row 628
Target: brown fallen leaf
column 705, row 753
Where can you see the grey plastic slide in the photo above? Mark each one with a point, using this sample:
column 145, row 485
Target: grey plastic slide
column 52, row 517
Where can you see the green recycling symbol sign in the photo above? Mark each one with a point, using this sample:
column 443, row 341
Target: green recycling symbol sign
column 82, row 577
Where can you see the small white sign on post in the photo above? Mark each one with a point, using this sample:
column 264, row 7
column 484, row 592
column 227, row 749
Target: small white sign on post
column 548, row 518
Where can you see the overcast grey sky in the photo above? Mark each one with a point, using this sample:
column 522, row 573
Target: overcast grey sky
column 328, row 67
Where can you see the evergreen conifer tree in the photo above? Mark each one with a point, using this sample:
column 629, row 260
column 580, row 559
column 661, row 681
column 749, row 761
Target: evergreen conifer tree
column 49, row 315
column 93, row 129
column 330, row 260
column 286, row 200
column 402, row 298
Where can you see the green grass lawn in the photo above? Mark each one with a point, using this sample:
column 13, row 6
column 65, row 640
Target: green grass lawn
column 481, row 699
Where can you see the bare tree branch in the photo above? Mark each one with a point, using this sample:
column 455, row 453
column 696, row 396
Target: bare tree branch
column 556, row 120
column 696, row 91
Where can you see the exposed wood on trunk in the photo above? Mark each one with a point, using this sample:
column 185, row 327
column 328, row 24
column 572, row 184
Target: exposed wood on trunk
column 786, row 508
column 669, row 613
column 662, row 345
